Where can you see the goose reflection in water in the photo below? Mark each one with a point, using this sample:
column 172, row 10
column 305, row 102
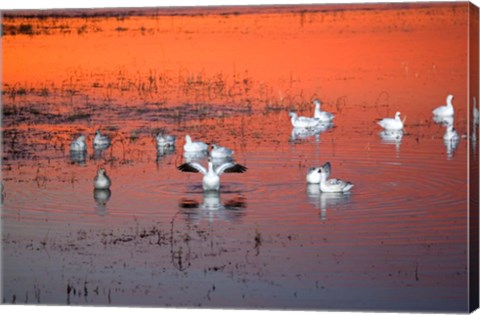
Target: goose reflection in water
column 163, row 151
column 299, row 133
column 451, row 146
column 323, row 201
column 101, row 197
column 392, row 137
column 443, row 120
column 98, row 152
column 78, row 157
column 212, row 207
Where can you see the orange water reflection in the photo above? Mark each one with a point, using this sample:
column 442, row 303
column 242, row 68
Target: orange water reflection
column 231, row 78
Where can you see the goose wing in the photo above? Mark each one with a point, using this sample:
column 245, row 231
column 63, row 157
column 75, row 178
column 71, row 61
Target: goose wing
column 338, row 184
column 230, row 167
column 192, row 167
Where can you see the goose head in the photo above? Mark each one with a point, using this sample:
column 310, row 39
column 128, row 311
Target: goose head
column 317, row 102
column 188, row 139
column 292, row 114
column 397, row 115
column 81, row 138
column 449, row 100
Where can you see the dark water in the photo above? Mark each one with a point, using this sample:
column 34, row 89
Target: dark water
column 398, row 241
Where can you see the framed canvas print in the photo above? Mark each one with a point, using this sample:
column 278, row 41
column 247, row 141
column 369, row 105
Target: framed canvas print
column 283, row 157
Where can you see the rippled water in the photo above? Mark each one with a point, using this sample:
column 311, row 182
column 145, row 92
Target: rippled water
column 398, row 241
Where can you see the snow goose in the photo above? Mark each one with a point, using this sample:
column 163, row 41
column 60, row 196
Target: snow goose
column 314, row 176
column 218, row 152
column 445, row 110
column 392, row 123
column 303, row 122
column 101, row 180
column 332, row 185
column 100, row 141
column 164, row 140
column 78, row 144
column 194, row 146
column 321, row 115
column 211, row 176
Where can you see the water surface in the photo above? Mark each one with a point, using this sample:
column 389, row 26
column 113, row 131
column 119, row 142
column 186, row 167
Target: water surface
column 398, row 241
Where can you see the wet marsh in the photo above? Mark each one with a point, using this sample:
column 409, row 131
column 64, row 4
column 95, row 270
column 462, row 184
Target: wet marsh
column 266, row 239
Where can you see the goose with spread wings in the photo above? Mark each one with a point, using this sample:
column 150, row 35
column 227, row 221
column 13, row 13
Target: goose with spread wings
column 211, row 176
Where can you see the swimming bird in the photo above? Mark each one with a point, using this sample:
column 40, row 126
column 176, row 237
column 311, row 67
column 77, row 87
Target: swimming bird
column 322, row 115
column 218, row 152
column 392, row 123
column 450, row 134
column 445, row 110
column 164, row 140
column 78, row 144
column 303, row 122
column 314, row 176
column 332, row 185
column 100, row 141
column 101, row 180
column 211, row 176
column 194, row 146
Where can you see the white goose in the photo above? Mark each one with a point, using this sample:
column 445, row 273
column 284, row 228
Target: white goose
column 101, row 180
column 445, row 110
column 78, row 144
column 194, row 146
column 211, row 176
column 314, row 176
column 100, row 141
column 321, row 115
column 218, row 152
column 164, row 140
column 392, row 123
column 302, row 121
column 450, row 134
column 332, row 185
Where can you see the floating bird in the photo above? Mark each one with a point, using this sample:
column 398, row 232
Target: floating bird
column 194, row 146
column 101, row 180
column 100, row 141
column 303, row 122
column 392, row 123
column 211, row 176
column 314, row 176
column 218, row 152
column 78, row 144
column 321, row 115
column 332, row 185
column 445, row 110
column 165, row 140
column 450, row 134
